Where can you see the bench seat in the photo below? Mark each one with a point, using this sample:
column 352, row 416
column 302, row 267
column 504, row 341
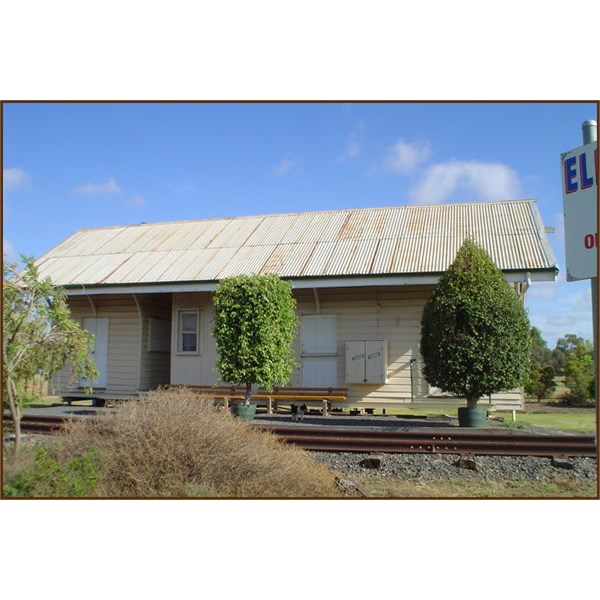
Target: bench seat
column 272, row 397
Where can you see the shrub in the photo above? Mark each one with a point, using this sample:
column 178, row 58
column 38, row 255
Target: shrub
column 47, row 477
column 475, row 334
column 175, row 444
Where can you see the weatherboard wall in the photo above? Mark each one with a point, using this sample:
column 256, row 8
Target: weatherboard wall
column 195, row 368
column 124, row 347
column 371, row 313
column 386, row 314
column 390, row 314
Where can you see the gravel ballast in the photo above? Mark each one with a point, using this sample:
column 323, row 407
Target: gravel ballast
column 428, row 467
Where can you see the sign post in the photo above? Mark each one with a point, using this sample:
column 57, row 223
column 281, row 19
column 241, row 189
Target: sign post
column 580, row 204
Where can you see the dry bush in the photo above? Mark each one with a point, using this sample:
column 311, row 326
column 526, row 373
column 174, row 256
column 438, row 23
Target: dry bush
column 175, row 444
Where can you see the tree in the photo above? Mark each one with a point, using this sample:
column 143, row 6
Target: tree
column 564, row 347
column 579, row 372
column 39, row 336
column 255, row 325
column 540, row 352
column 475, row 334
column 540, row 380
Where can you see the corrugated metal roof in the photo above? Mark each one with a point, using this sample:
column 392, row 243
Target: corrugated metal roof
column 399, row 240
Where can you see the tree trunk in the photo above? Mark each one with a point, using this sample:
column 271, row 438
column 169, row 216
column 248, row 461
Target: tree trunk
column 472, row 401
column 15, row 412
column 248, row 393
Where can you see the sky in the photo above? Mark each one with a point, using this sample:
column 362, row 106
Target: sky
column 70, row 166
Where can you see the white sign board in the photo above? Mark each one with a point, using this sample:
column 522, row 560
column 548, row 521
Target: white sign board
column 580, row 203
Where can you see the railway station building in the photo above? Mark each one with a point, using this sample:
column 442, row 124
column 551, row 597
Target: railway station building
column 360, row 277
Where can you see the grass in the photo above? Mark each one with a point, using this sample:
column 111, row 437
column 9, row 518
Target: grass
column 573, row 422
column 561, row 487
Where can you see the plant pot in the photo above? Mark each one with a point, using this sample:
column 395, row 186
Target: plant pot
column 472, row 417
column 245, row 412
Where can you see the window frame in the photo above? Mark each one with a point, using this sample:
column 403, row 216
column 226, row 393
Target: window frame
column 180, row 313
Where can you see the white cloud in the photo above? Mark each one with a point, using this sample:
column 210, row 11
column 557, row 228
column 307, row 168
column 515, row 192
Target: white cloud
column 546, row 291
column 351, row 150
column 560, row 308
column 283, row 166
column 98, row 189
column 15, row 178
column 353, row 147
column 8, row 251
column 138, row 200
column 182, row 187
column 484, row 180
column 404, row 157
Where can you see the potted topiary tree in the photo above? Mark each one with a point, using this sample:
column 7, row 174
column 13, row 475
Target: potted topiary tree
column 475, row 334
column 255, row 325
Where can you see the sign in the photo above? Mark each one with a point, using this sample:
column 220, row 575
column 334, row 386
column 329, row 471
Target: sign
column 580, row 204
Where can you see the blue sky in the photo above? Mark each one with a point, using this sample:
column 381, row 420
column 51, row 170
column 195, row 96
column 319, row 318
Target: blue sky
column 73, row 166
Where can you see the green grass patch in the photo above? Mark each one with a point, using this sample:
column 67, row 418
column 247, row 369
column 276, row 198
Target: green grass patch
column 575, row 422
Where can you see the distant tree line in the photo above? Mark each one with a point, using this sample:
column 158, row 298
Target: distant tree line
column 572, row 358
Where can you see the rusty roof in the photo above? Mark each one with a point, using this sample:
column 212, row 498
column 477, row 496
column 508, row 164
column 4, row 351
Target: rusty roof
column 396, row 240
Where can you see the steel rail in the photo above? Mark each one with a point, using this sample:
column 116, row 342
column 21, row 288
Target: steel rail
column 347, row 439
column 490, row 442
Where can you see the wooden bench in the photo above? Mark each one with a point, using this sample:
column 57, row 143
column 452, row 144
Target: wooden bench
column 228, row 393
column 302, row 394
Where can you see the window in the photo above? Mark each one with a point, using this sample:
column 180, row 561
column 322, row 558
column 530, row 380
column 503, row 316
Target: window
column 187, row 331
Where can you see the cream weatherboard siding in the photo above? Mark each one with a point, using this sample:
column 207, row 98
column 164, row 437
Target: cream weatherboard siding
column 391, row 314
column 384, row 314
column 194, row 367
column 124, row 331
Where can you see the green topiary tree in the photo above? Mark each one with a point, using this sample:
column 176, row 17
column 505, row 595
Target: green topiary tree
column 255, row 325
column 475, row 334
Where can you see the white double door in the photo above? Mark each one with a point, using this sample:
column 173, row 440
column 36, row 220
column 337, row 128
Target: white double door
column 98, row 327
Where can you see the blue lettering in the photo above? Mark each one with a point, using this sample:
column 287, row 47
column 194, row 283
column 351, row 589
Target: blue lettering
column 586, row 182
column 570, row 174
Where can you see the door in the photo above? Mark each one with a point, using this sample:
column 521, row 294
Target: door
column 99, row 328
column 366, row 361
column 319, row 351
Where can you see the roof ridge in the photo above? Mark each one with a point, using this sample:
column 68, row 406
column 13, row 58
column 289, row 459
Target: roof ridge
column 307, row 212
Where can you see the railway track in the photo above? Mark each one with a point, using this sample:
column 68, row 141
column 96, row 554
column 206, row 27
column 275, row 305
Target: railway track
column 42, row 423
column 424, row 441
column 489, row 441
